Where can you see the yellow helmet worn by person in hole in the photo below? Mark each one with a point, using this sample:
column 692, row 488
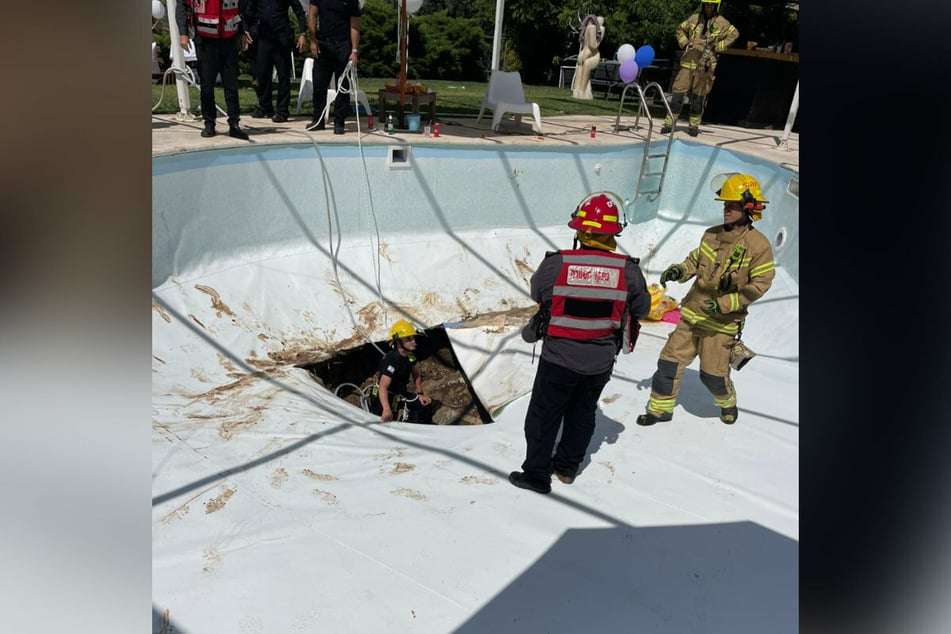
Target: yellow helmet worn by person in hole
column 402, row 329
column 741, row 188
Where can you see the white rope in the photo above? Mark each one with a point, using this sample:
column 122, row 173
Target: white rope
column 349, row 78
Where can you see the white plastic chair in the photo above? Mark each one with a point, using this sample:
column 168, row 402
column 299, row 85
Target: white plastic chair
column 505, row 94
column 307, row 90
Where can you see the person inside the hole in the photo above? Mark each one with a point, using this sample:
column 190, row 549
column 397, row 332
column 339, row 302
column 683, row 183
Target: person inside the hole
column 398, row 369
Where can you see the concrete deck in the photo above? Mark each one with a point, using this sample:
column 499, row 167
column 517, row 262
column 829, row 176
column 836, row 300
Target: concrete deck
column 172, row 135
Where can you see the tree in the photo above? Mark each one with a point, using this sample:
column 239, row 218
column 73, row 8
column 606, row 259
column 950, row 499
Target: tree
column 542, row 33
column 440, row 46
column 448, row 48
column 452, row 39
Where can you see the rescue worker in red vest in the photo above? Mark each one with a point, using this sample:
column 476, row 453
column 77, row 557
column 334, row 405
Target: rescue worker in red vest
column 397, row 369
column 218, row 32
column 703, row 36
column 732, row 268
column 595, row 298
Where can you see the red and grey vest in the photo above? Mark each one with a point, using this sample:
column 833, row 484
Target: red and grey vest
column 216, row 18
column 590, row 295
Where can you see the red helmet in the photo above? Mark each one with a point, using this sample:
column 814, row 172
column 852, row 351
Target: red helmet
column 598, row 213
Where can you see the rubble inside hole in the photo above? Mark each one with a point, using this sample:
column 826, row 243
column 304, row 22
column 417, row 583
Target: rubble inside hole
column 454, row 402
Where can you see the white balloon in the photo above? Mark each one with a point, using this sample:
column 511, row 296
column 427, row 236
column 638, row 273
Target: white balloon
column 158, row 10
column 412, row 6
column 625, row 53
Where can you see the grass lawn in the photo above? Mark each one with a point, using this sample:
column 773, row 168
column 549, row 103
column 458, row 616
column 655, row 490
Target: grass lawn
column 453, row 98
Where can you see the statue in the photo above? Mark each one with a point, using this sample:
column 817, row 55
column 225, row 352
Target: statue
column 592, row 32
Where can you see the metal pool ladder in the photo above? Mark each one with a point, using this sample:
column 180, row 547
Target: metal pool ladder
column 650, row 153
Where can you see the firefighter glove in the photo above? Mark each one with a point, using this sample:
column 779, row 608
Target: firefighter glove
column 710, row 307
column 672, row 274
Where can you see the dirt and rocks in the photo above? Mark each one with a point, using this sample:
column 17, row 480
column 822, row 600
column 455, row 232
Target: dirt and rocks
column 453, row 400
column 454, row 403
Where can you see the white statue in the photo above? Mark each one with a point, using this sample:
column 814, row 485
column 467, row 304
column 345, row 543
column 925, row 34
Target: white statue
column 592, row 32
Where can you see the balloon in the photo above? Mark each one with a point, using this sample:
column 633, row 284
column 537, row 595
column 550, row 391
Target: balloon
column 628, row 71
column 644, row 56
column 158, row 10
column 625, row 53
column 412, row 6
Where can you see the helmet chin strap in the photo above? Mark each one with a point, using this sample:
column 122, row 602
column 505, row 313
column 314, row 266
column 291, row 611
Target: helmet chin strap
column 603, row 242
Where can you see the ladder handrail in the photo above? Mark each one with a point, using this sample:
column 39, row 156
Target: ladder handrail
column 641, row 107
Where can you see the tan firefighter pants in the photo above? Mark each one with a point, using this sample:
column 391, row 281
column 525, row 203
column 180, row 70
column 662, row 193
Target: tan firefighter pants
column 682, row 347
column 695, row 84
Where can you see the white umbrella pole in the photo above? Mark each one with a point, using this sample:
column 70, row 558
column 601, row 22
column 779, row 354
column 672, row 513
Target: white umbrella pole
column 497, row 36
column 793, row 110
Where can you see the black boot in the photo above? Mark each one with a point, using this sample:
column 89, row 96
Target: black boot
column 729, row 415
column 648, row 419
column 209, row 130
column 518, row 479
column 665, row 129
column 236, row 132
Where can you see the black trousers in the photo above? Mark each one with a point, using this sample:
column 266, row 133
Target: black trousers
column 332, row 60
column 218, row 55
column 561, row 398
column 274, row 51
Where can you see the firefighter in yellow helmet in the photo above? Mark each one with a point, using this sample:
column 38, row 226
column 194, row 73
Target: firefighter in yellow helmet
column 398, row 369
column 703, row 36
column 732, row 267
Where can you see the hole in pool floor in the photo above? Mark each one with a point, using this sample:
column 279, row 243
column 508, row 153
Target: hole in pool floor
column 454, row 402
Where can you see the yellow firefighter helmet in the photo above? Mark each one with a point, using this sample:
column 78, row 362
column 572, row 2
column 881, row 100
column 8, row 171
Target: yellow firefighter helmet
column 741, row 188
column 402, row 329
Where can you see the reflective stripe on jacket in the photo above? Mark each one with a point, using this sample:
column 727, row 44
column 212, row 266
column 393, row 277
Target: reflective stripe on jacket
column 588, row 299
column 216, row 18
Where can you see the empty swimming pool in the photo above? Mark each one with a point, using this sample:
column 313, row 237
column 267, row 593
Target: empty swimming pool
column 277, row 507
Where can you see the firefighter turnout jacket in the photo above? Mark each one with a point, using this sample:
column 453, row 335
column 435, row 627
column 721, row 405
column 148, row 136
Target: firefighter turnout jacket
column 734, row 268
column 701, row 48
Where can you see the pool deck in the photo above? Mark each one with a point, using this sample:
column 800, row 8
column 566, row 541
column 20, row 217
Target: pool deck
column 172, row 134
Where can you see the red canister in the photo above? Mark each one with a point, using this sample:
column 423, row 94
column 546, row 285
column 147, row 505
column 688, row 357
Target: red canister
column 593, row 130
column 436, row 129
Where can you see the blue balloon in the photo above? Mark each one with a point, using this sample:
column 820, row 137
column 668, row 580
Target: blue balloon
column 628, row 71
column 644, row 56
